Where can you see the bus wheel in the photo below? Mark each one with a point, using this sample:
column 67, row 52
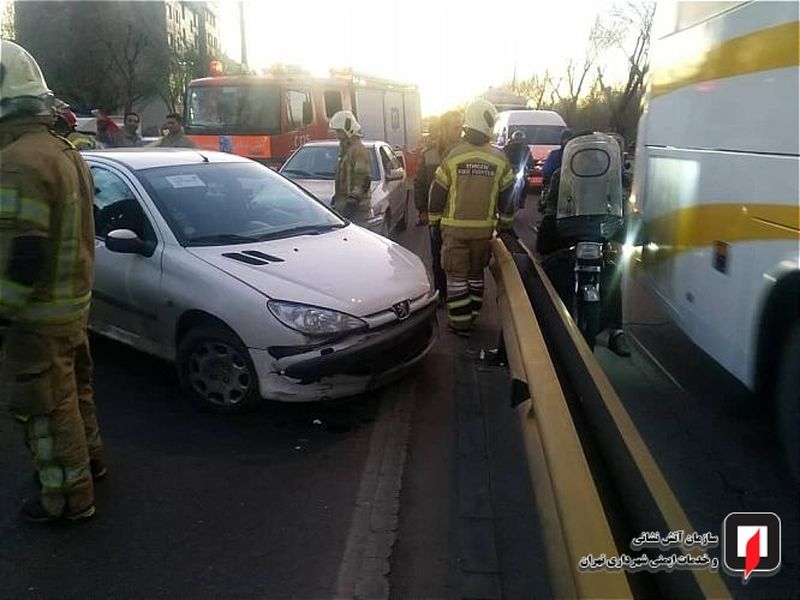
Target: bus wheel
column 787, row 400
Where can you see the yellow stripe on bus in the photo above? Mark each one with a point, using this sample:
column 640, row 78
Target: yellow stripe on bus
column 772, row 48
column 700, row 226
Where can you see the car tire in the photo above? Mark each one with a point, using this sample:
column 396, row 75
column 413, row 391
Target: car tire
column 403, row 222
column 386, row 224
column 787, row 400
column 216, row 372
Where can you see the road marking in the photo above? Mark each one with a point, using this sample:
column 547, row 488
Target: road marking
column 364, row 570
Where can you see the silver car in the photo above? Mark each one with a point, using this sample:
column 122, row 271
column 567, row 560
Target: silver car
column 313, row 167
column 252, row 286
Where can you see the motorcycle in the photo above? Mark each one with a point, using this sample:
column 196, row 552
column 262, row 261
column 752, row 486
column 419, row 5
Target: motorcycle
column 589, row 214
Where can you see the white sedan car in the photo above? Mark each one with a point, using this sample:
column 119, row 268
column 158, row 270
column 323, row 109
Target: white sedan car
column 253, row 287
column 313, row 167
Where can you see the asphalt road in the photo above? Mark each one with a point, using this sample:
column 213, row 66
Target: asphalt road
column 419, row 490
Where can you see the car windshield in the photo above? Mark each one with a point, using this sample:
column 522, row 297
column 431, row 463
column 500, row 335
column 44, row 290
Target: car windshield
column 319, row 162
column 539, row 134
column 231, row 109
column 213, row 204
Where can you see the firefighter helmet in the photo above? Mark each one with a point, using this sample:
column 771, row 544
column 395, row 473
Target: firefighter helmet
column 480, row 115
column 345, row 121
column 22, row 86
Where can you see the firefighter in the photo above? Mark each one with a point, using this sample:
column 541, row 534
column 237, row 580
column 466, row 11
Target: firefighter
column 46, row 273
column 175, row 138
column 352, row 181
column 65, row 124
column 444, row 135
column 473, row 183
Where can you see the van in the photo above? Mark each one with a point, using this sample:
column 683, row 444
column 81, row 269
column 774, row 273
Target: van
column 542, row 130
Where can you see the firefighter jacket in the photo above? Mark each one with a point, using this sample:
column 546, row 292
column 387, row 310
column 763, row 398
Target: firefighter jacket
column 352, row 181
column 175, row 140
column 472, row 186
column 46, row 227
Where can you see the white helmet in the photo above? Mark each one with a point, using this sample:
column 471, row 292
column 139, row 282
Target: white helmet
column 480, row 115
column 22, row 86
column 345, row 121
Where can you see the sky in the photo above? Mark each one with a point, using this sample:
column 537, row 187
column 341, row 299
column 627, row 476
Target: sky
column 452, row 50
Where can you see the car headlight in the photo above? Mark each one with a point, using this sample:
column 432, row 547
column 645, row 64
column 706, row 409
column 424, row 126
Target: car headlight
column 313, row 320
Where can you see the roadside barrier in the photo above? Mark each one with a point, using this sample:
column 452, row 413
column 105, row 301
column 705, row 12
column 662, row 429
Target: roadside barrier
column 596, row 483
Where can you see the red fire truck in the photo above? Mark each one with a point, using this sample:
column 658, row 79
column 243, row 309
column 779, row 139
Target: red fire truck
column 266, row 117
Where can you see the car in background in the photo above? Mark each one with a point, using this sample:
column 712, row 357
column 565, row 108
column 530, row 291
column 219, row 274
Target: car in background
column 253, row 287
column 542, row 130
column 313, row 167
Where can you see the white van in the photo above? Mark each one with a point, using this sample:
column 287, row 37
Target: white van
column 542, row 130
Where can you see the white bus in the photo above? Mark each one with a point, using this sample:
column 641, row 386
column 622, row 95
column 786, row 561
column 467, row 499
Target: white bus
column 717, row 185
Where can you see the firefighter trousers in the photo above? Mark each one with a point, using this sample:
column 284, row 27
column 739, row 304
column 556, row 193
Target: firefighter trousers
column 464, row 262
column 47, row 377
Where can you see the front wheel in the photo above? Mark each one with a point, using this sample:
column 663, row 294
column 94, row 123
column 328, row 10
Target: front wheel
column 215, row 371
column 587, row 318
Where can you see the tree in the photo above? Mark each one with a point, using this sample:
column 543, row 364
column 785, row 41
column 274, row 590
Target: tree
column 628, row 20
column 131, row 69
column 184, row 65
column 535, row 88
column 7, row 31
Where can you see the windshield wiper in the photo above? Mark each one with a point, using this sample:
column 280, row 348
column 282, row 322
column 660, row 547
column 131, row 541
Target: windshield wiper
column 302, row 230
column 221, row 239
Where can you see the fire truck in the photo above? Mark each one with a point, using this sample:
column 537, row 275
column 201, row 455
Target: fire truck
column 266, row 117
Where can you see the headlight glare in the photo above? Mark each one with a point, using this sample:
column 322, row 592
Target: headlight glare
column 313, row 320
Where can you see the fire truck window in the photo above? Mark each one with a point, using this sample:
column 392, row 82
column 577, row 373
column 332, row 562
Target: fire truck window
column 298, row 109
column 333, row 102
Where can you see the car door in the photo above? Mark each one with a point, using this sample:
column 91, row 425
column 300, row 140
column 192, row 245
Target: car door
column 127, row 286
column 395, row 189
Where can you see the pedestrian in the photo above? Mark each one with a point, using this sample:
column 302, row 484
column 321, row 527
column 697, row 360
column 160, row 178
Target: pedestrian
column 444, row 134
column 175, row 138
column 46, row 276
column 112, row 136
column 352, row 180
column 471, row 186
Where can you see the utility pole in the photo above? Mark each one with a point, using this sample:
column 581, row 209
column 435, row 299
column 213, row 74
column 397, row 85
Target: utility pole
column 243, row 36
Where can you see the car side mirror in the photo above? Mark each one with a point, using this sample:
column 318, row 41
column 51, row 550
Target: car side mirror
column 125, row 241
column 395, row 174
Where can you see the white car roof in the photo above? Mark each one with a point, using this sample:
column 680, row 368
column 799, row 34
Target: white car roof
column 367, row 143
column 148, row 158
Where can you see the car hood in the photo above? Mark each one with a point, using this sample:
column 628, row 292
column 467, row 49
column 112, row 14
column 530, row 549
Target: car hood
column 322, row 189
column 350, row 270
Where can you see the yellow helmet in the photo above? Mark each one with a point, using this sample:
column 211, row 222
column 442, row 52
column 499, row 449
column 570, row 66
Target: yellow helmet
column 22, row 86
column 480, row 115
column 344, row 120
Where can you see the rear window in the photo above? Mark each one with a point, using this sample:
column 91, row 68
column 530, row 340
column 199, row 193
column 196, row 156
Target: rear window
column 319, row 162
column 591, row 162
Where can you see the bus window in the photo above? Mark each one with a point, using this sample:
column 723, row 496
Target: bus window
column 245, row 109
column 299, row 113
column 333, row 102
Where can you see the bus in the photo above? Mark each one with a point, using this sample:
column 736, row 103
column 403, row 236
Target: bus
column 716, row 185
column 267, row 117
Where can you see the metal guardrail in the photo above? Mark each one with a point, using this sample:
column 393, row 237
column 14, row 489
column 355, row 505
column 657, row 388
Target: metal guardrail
column 573, row 520
column 589, row 500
